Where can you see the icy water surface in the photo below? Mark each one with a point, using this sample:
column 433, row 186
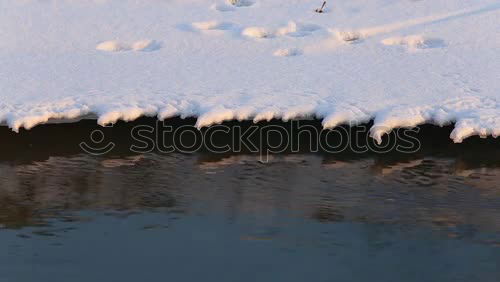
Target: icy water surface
column 65, row 215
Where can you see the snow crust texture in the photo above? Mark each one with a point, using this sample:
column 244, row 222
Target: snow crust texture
column 398, row 63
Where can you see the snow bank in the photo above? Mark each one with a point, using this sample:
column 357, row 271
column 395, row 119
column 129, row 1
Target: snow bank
column 207, row 64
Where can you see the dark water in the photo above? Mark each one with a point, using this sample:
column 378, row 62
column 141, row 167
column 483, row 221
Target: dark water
column 433, row 215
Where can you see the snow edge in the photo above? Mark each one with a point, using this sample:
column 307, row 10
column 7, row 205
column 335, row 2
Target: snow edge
column 483, row 121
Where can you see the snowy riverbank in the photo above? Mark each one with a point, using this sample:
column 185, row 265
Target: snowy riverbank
column 401, row 63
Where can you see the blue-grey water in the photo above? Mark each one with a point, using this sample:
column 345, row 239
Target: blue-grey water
column 70, row 216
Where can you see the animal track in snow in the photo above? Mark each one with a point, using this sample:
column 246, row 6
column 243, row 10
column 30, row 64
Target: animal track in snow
column 257, row 32
column 231, row 5
column 295, row 29
column 223, row 7
column 288, row 52
column 356, row 35
column 145, row 45
column 348, row 36
column 352, row 36
column 414, row 42
column 112, row 46
column 212, row 25
column 241, row 3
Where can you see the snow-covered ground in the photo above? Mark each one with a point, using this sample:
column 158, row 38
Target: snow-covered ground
column 399, row 62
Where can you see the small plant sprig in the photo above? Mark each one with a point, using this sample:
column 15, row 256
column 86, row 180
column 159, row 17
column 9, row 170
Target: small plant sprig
column 319, row 10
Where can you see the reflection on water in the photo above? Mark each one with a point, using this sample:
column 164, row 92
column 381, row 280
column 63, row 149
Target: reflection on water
column 429, row 191
column 430, row 216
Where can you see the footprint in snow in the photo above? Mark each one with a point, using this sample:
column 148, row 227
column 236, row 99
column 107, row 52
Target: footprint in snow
column 414, row 42
column 212, row 25
column 146, row 45
column 112, row 46
column 295, row 29
column 257, row 32
column 231, row 5
column 223, row 7
column 348, row 36
column 287, row 52
column 241, row 3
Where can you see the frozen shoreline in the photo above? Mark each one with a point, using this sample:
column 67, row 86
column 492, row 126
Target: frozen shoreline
column 410, row 63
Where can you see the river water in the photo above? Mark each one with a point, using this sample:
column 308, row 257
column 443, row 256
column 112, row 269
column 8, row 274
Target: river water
column 67, row 215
